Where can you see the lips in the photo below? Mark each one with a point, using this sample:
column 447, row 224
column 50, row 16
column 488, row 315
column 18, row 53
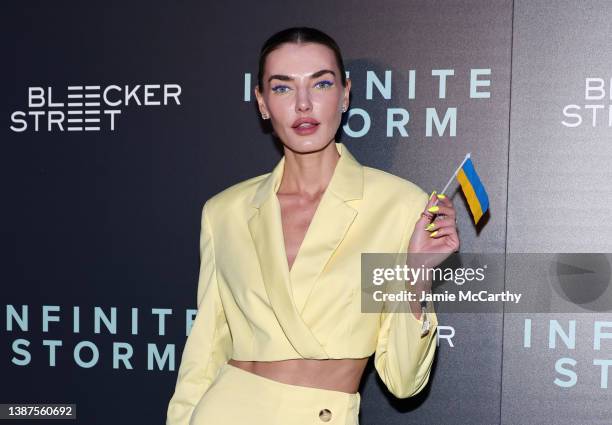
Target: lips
column 305, row 122
column 305, row 126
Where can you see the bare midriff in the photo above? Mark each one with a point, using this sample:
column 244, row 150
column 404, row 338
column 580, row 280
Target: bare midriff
column 332, row 374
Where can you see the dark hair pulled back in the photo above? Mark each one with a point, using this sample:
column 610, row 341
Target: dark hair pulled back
column 299, row 35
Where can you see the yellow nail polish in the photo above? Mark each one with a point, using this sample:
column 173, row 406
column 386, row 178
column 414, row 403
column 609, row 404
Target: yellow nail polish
column 432, row 194
column 430, row 226
column 441, row 196
column 433, row 209
column 431, row 235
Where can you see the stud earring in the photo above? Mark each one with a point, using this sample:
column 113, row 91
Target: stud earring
column 344, row 108
column 264, row 116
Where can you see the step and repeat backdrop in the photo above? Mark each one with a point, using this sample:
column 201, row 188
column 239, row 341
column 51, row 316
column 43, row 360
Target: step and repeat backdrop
column 120, row 119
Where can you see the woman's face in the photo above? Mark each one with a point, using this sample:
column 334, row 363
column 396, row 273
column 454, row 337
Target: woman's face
column 303, row 95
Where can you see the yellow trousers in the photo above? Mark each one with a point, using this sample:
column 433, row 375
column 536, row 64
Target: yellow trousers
column 239, row 397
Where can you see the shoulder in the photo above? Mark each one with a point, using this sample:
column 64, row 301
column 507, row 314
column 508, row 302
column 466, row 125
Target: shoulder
column 382, row 185
column 394, row 198
column 236, row 195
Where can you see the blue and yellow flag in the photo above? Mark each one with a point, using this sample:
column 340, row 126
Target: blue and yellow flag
column 474, row 191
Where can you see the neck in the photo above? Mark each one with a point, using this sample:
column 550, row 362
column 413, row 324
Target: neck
column 309, row 173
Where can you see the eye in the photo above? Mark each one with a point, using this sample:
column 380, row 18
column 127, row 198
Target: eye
column 325, row 84
column 280, row 89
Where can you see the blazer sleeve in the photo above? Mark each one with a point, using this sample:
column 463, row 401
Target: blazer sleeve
column 209, row 344
column 403, row 357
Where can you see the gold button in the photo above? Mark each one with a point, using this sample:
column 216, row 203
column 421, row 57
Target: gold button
column 325, row 415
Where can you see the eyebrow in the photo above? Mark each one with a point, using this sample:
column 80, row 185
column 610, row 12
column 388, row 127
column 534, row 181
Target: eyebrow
column 288, row 78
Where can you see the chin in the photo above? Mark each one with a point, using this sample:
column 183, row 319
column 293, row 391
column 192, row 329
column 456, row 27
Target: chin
column 307, row 144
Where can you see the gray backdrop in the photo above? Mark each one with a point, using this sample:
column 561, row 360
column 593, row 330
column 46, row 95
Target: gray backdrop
column 107, row 220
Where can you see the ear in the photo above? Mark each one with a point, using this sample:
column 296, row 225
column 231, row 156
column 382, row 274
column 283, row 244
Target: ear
column 347, row 92
column 260, row 101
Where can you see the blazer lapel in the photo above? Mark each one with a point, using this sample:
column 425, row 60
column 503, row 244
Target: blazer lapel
column 289, row 292
column 328, row 227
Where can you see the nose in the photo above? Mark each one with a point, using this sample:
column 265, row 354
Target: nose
column 302, row 100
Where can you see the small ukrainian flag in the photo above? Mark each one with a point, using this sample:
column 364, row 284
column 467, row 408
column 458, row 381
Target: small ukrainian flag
column 472, row 187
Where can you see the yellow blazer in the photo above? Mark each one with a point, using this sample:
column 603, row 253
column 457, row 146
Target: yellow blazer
column 251, row 307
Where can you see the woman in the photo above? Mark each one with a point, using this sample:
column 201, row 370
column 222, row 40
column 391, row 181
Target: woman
column 279, row 336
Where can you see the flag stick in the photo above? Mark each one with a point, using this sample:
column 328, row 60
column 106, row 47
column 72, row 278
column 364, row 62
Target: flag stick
column 468, row 155
column 456, row 171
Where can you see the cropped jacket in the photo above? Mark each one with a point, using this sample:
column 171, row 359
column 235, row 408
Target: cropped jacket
column 252, row 307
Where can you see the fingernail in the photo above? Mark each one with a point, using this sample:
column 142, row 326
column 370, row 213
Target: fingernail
column 441, row 196
column 433, row 209
column 430, row 226
column 431, row 235
column 432, row 194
